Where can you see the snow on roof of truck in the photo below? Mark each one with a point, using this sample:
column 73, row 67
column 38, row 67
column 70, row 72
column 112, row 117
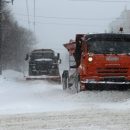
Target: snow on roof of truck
column 70, row 47
column 43, row 50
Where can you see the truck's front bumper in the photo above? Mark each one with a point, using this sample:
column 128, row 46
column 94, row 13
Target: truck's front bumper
column 104, row 82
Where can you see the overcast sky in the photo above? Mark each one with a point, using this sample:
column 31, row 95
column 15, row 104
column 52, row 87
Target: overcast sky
column 57, row 21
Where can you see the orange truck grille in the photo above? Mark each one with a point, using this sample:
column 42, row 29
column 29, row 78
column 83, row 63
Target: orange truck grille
column 112, row 71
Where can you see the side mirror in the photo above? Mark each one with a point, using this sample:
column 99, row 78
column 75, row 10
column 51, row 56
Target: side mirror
column 27, row 57
column 58, row 55
column 59, row 61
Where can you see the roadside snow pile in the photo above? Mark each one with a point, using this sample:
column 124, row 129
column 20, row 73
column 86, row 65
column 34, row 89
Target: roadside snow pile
column 20, row 96
column 101, row 96
column 119, row 100
column 12, row 75
column 1, row 79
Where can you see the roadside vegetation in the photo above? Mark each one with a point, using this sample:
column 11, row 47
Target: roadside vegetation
column 17, row 41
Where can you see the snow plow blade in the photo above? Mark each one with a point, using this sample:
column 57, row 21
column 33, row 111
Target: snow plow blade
column 45, row 77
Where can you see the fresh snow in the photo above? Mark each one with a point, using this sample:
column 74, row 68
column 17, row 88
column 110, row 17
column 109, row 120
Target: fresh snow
column 42, row 105
column 43, row 59
column 20, row 96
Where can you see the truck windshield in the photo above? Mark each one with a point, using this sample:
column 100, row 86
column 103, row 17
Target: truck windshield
column 42, row 55
column 108, row 46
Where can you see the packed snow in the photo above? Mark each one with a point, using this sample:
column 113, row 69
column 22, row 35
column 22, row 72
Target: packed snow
column 42, row 105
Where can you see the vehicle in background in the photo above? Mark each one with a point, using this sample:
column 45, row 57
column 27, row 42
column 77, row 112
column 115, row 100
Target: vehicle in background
column 43, row 64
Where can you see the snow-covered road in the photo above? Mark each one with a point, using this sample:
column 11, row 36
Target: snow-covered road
column 73, row 120
column 39, row 105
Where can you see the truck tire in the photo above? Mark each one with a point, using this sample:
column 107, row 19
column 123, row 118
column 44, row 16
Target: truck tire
column 30, row 72
column 77, row 83
column 65, row 78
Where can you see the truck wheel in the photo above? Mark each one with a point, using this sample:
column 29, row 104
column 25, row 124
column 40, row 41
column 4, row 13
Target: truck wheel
column 77, row 83
column 65, row 77
column 30, row 72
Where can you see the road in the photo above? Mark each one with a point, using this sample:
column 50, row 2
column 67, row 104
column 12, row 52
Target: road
column 93, row 119
column 48, row 107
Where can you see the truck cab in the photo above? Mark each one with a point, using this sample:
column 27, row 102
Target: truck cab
column 104, row 60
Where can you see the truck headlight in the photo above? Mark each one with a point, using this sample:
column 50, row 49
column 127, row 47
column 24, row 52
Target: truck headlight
column 90, row 59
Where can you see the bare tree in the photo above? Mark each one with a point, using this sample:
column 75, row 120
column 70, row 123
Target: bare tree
column 17, row 41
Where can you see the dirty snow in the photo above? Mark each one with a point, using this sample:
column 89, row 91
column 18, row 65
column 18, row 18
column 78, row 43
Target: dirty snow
column 66, row 110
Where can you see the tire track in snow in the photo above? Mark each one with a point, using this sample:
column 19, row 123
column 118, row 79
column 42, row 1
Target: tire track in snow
column 95, row 119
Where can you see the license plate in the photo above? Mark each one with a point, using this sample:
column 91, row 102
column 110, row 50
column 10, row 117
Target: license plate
column 112, row 58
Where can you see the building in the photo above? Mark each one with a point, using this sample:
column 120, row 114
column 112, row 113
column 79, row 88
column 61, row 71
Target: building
column 122, row 22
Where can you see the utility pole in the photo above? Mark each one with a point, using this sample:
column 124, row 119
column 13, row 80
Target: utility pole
column 1, row 37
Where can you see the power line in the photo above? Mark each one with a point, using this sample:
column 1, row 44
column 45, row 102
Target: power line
column 27, row 7
column 110, row 1
column 70, row 18
column 65, row 24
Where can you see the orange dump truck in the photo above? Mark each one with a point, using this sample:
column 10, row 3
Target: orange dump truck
column 102, row 61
